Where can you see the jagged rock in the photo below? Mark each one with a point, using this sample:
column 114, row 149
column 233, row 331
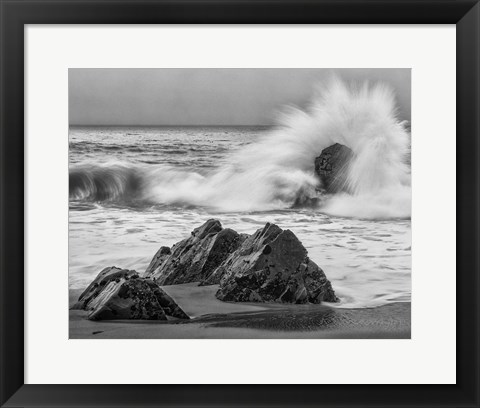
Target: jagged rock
column 195, row 258
column 159, row 258
column 106, row 276
column 332, row 167
column 120, row 294
column 240, row 260
column 272, row 266
column 132, row 299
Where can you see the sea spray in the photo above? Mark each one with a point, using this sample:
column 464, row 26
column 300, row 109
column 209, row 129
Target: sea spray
column 277, row 171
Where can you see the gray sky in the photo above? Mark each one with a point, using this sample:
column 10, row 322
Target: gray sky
column 205, row 96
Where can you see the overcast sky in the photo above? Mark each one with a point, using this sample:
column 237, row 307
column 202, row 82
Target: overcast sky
column 205, row 96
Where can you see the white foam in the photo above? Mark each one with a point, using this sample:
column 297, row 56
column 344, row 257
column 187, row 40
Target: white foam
column 277, row 170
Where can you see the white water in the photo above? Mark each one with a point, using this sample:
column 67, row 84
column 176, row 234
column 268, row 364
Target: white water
column 273, row 172
column 367, row 261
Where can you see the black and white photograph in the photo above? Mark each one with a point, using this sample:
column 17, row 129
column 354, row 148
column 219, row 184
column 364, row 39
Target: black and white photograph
column 239, row 203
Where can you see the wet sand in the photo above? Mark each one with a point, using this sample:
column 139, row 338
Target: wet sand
column 213, row 319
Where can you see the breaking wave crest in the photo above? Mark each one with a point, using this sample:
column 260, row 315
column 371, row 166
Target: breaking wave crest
column 105, row 183
column 277, row 171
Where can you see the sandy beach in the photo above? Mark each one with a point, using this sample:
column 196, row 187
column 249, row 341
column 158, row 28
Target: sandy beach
column 213, row 319
column 285, row 192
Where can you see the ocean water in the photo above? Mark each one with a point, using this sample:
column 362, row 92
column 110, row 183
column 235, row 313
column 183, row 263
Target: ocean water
column 135, row 189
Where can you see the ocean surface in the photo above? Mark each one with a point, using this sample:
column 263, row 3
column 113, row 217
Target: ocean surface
column 134, row 189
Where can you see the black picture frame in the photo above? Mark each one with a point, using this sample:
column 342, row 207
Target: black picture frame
column 15, row 14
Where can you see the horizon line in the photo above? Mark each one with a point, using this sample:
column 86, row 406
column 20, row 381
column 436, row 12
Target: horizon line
column 137, row 125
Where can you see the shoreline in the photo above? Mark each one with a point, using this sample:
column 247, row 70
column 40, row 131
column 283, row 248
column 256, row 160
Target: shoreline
column 214, row 319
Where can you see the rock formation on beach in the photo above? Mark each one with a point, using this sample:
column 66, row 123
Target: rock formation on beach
column 270, row 265
column 194, row 258
column 121, row 294
column 107, row 275
column 332, row 167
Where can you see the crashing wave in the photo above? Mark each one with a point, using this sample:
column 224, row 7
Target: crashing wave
column 277, row 171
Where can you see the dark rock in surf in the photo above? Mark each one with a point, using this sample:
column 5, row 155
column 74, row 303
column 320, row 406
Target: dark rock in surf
column 272, row 266
column 332, row 167
column 195, row 258
column 121, row 294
